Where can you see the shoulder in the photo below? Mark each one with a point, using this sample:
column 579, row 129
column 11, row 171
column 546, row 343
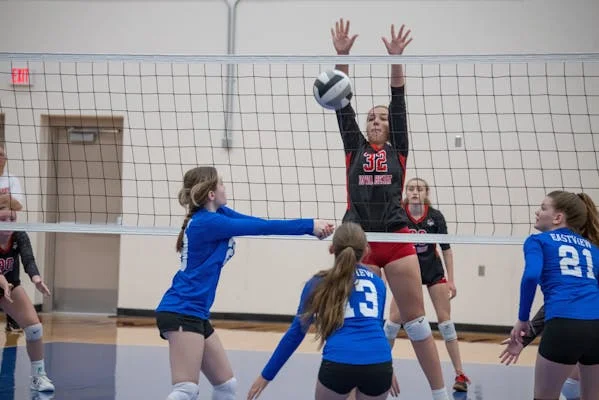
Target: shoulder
column 435, row 213
column 536, row 239
column 20, row 235
column 311, row 284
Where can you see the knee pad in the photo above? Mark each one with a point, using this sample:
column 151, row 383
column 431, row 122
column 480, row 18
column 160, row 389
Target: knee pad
column 418, row 329
column 571, row 389
column 34, row 332
column 391, row 329
column 184, row 391
column 225, row 391
column 447, row 329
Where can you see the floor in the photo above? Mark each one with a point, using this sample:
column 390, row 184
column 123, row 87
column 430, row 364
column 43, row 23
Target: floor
column 102, row 358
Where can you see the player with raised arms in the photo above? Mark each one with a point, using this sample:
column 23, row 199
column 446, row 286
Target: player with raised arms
column 376, row 167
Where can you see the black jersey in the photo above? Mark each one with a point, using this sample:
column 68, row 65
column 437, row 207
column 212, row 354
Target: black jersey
column 18, row 245
column 433, row 222
column 375, row 175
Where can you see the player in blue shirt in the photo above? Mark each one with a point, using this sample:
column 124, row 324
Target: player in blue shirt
column 346, row 304
column 564, row 260
column 206, row 243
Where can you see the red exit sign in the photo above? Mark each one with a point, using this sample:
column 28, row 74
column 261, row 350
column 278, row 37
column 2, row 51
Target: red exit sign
column 20, row 76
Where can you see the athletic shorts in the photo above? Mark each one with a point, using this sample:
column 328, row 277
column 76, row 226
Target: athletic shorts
column 382, row 253
column 370, row 379
column 432, row 278
column 172, row 322
column 571, row 341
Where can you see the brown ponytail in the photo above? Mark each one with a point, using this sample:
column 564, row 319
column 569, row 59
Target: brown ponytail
column 328, row 300
column 197, row 184
column 590, row 229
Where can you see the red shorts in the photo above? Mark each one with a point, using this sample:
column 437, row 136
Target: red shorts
column 382, row 253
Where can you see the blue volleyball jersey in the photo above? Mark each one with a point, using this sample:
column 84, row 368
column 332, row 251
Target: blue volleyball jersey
column 566, row 265
column 207, row 246
column 360, row 341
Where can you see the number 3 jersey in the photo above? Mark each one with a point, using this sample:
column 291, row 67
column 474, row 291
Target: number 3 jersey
column 360, row 340
column 375, row 175
column 566, row 265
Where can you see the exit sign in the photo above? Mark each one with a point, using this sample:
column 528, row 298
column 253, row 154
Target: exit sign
column 20, row 76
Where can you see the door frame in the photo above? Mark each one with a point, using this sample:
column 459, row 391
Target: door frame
column 50, row 129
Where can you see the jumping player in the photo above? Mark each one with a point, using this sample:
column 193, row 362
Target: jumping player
column 376, row 167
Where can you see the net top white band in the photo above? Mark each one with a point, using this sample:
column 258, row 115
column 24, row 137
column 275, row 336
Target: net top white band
column 307, row 59
column 161, row 231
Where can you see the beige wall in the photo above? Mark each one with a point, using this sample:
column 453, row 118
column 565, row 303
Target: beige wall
column 158, row 147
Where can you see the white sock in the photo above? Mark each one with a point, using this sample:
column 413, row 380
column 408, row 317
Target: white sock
column 38, row 368
column 440, row 394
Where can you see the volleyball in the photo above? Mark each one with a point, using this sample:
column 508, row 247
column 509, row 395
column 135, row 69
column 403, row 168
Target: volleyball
column 332, row 89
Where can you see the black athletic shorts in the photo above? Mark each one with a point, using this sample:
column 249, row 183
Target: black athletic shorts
column 571, row 341
column 370, row 379
column 170, row 322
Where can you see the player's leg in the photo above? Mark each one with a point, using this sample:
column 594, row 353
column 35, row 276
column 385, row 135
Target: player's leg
column 439, row 294
column 550, row 377
column 405, row 283
column 185, row 354
column 186, row 347
column 11, row 325
column 217, row 368
column 589, row 382
column 22, row 310
column 562, row 345
column 589, row 363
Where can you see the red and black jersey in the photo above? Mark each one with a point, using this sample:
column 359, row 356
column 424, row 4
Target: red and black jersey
column 19, row 246
column 375, row 175
column 433, row 222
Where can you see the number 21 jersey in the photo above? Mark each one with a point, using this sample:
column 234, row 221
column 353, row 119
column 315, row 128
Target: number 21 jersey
column 569, row 273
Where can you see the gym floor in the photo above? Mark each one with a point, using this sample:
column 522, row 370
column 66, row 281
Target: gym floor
column 105, row 358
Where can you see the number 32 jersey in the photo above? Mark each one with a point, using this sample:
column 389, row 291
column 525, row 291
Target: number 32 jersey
column 566, row 265
column 360, row 340
column 375, row 175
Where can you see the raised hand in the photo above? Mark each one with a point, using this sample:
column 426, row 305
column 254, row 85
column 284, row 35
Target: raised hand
column 341, row 39
column 398, row 42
